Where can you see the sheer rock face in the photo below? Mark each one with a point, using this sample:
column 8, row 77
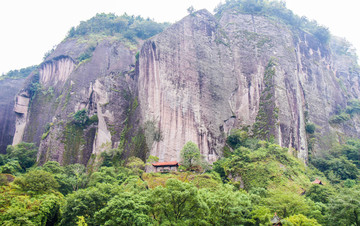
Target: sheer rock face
column 55, row 72
column 202, row 77
column 97, row 86
column 8, row 90
column 67, row 86
column 182, row 80
column 196, row 81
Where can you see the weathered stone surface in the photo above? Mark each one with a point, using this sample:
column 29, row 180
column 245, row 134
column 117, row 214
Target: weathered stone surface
column 181, row 87
column 97, row 86
column 196, row 81
column 8, row 90
column 56, row 71
column 21, row 108
column 202, row 77
column 22, row 101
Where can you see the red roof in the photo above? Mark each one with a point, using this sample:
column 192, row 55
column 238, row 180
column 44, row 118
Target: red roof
column 317, row 181
column 172, row 163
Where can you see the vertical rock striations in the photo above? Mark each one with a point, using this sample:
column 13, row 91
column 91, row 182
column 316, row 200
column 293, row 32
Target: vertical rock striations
column 204, row 76
column 195, row 81
column 183, row 73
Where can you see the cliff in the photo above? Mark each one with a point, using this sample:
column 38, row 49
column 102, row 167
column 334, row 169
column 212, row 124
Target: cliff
column 8, row 90
column 204, row 76
column 195, row 81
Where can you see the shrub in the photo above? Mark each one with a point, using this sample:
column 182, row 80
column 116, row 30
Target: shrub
column 80, row 117
column 337, row 119
column 310, row 128
column 37, row 181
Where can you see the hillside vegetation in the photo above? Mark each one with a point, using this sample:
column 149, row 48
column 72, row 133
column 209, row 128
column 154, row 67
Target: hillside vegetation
column 18, row 74
column 254, row 180
column 130, row 27
column 277, row 10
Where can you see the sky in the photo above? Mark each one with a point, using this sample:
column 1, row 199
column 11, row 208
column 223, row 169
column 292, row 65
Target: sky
column 30, row 28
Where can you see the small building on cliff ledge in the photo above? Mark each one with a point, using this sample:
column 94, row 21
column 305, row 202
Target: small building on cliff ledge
column 317, row 181
column 276, row 220
column 166, row 166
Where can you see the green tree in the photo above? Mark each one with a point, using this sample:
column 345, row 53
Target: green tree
column 136, row 165
column 39, row 210
column 344, row 209
column 37, row 182
column 227, row 206
column 76, row 174
column 125, row 209
column 286, row 203
column 237, row 138
column 310, row 128
column 25, row 153
column 300, row 219
column 53, row 167
column 177, row 203
column 191, row 10
column 319, row 193
column 190, row 155
column 322, row 34
column 12, row 167
column 64, row 176
column 86, row 202
column 152, row 159
column 80, row 117
column 104, row 175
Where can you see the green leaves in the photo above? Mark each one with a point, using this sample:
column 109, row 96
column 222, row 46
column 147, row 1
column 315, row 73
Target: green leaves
column 300, row 219
column 190, row 155
column 319, row 193
column 125, row 209
column 345, row 207
column 24, row 153
column 130, row 27
column 20, row 209
column 276, row 10
column 37, row 182
column 12, row 167
column 227, row 206
column 177, row 203
column 86, row 202
column 80, row 117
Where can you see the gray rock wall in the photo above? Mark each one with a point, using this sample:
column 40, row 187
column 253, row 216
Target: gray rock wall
column 8, row 89
column 196, row 81
column 202, row 77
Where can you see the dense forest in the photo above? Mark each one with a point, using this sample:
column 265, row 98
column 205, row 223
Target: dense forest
column 247, row 186
column 254, row 180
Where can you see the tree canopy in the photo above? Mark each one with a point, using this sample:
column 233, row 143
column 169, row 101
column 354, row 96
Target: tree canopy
column 252, row 181
column 277, row 10
column 131, row 27
column 190, row 155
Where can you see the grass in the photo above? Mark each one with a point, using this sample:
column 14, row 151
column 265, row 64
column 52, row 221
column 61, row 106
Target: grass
column 206, row 180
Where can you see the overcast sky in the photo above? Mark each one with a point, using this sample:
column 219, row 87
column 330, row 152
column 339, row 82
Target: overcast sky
column 29, row 28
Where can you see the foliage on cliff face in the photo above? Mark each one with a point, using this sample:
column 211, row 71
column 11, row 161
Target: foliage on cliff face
column 253, row 180
column 343, row 115
column 267, row 117
column 278, row 11
column 18, row 74
column 130, row 27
